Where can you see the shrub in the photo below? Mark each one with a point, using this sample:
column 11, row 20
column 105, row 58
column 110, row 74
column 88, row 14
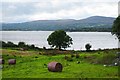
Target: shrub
column 9, row 44
column 2, row 44
column 44, row 48
column 72, row 55
column 77, row 55
column 66, row 57
column 36, row 56
column 69, row 59
column 21, row 44
column 88, row 46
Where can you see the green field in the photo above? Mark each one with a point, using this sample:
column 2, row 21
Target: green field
column 31, row 64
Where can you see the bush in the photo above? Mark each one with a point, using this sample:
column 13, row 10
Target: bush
column 2, row 44
column 21, row 44
column 88, row 46
column 44, row 48
column 10, row 44
column 66, row 57
column 69, row 59
column 72, row 55
column 77, row 55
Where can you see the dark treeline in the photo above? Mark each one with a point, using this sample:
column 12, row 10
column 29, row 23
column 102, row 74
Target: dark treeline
column 22, row 45
column 91, row 29
column 94, row 29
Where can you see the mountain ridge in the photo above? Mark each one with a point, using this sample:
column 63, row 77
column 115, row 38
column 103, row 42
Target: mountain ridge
column 65, row 24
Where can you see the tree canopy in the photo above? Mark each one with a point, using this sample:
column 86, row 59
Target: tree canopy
column 59, row 39
column 116, row 27
column 88, row 46
column 21, row 44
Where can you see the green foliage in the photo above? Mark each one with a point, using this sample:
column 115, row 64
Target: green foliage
column 77, row 55
column 107, row 57
column 8, row 44
column 21, row 44
column 31, row 46
column 88, row 46
column 116, row 27
column 59, row 39
column 72, row 55
column 91, row 29
column 2, row 44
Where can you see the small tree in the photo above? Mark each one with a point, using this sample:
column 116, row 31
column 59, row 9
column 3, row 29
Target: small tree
column 32, row 46
column 2, row 44
column 21, row 44
column 88, row 46
column 116, row 27
column 59, row 39
column 10, row 44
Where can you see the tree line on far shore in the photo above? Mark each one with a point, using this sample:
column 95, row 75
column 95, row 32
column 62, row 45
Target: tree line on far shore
column 19, row 45
column 25, row 46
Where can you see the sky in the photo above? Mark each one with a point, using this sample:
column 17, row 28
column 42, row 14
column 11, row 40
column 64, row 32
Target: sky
column 16, row 11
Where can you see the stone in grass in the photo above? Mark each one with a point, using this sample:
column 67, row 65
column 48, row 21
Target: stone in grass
column 104, row 65
column 116, row 64
column 78, row 62
column 55, row 67
column 12, row 61
column 2, row 61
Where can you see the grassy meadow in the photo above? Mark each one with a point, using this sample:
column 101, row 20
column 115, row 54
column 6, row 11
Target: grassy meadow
column 33, row 64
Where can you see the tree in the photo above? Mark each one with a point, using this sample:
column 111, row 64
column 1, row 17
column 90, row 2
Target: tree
column 59, row 39
column 21, row 44
column 10, row 44
column 2, row 44
column 116, row 27
column 88, row 46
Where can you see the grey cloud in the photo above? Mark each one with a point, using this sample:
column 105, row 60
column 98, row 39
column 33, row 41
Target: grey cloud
column 15, row 9
column 22, row 11
column 29, row 8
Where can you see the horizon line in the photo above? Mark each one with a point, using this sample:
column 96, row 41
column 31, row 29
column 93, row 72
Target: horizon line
column 56, row 19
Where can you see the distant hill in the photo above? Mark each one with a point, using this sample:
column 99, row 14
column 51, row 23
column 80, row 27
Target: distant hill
column 94, row 23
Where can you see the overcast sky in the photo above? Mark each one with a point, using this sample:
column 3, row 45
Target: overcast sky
column 29, row 10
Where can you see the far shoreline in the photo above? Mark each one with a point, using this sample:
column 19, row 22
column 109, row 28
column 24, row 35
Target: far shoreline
column 51, row 30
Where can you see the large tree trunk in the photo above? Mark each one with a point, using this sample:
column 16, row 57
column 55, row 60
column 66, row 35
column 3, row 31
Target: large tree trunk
column 59, row 47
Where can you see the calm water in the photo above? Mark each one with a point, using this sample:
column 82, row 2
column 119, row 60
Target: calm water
column 39, row 38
